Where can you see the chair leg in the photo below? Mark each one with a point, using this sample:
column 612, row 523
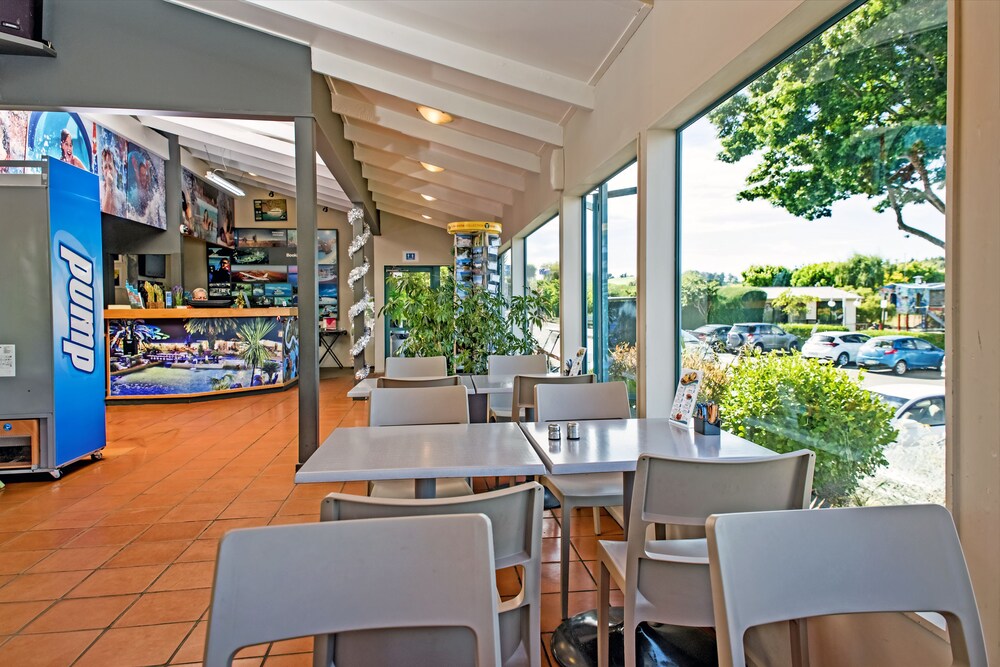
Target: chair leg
column 564, row 543
column 628, row 632
column 533, row 641
column 597, row 521
column 603, row 609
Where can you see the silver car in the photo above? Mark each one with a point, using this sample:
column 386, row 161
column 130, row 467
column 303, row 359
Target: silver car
column 761, row 336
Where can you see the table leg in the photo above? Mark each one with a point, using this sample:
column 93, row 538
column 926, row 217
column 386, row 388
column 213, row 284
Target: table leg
column 425, row 488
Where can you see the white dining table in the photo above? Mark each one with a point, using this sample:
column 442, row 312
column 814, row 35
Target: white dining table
column 422, row 453
column 363, row 389
column 614, row 445
column 502, row 384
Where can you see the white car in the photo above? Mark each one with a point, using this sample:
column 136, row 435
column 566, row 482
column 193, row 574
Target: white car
column 840, row 347
column 919, row 414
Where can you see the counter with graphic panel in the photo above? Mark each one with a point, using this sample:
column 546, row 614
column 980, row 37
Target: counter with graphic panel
column 183, row 353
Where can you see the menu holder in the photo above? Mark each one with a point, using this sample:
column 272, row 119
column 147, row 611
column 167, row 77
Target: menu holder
column 686, row 396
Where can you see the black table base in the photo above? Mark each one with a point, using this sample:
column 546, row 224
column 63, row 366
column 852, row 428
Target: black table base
column 574, row 643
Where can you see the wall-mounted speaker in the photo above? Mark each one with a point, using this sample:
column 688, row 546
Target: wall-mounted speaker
column 22, row 18
column 557, row 169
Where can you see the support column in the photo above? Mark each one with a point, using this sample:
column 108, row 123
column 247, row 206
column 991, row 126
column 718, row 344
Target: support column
column 973, row 307
column 517, row 266
column 305, row 196
column 658, row 311
column 571, row 269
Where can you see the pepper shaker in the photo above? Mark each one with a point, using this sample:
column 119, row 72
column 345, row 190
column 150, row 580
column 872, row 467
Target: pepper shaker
column 554, row 432
column 572, row 430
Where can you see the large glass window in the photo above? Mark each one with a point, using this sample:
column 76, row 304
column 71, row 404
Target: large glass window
column 541, row 272
column 506, row 277
column 611, row 255
column 812, row 254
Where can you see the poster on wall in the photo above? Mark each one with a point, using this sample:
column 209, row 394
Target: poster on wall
column 13, row 137
column 261, row 274
column 59, row 135
column 326, row 246
column 112, row 154
column 145, row 190
column 220, row 273
column 203, row 206
column 270, row 210
column 260, row 238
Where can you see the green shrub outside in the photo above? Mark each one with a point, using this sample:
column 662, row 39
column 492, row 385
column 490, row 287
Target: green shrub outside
column 731, row 304
column 787, row 403
column 803, row 331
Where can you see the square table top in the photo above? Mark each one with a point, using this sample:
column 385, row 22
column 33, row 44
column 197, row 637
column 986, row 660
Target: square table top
column 364, row 388
column 501, row 384
column 421, row 452
column 614, row 445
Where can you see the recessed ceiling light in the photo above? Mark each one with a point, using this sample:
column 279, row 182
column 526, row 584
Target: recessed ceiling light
column 250, row 173
column 433, row 168
column 425, row 217
column 428, row 197
column 436, row 116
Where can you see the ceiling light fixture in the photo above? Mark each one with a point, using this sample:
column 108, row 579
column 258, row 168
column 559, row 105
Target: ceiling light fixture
column 436, row 116
column 428, row 197
column 433, row 168
column 425, row 216
column 250, row 173
column 224, row 184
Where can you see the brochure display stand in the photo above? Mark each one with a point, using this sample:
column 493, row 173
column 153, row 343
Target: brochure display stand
column 477, row 246
column 52, row 353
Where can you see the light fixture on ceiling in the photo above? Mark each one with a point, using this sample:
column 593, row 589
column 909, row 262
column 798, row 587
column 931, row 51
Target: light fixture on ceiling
column 271, row 193
column 433, row 168
column 425, row 216
column 234, row 190
column 326, row 209
column 428, row 197
column 436, row 116
column 250, row 173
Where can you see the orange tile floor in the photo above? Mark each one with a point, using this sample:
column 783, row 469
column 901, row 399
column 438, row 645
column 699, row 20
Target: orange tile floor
column 111, row 565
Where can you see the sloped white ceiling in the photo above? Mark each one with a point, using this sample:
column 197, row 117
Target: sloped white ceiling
column 510, row 72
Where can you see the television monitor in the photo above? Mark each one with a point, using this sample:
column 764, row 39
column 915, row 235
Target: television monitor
column 153, row 266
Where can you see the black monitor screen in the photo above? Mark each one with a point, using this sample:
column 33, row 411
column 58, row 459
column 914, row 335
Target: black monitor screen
column 153, row 266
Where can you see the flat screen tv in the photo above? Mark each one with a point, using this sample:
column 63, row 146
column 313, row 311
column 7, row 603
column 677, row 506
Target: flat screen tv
column 153, row 266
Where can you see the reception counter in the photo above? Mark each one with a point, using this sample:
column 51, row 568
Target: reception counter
column 171, row 353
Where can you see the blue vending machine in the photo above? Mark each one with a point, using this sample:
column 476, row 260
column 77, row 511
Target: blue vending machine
column 52, row 351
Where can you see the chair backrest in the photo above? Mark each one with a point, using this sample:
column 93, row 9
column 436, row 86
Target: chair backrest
column 598, row 400
column 425, row 405
column 281, row 582
column 518, row 363
column 683, row 493
column 516, row 518
column 414, row 383
column 408, row 367
column 774, row 566
column 523, row 395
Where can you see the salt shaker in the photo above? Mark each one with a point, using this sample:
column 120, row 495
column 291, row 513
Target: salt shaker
column 572, row 430
column 554, row 432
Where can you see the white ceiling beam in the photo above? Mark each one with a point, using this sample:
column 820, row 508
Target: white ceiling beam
column 382, row 191
column 411, row 41
column 428, row 94
column 437, row 191
column 406, row 167
column 324, row 196
column 260, row 166
column 440, row 134
column 369, row 135
column 410, row 215
column 134, row 131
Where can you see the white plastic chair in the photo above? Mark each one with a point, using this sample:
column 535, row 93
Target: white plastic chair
column 774, row 566
column 516, row 517
column 408, row 367
column 512, row 365
column 282, row 582
column 417, row 383
column 667, row 581
column 566, row 401
column 424, row 405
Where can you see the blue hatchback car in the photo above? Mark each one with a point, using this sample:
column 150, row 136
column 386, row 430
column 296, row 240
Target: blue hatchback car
column 900, row 353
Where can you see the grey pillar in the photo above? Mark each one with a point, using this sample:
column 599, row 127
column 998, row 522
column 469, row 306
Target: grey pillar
column 172, row 183
column 305, row 196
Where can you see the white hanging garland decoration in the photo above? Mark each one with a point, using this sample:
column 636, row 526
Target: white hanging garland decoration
column 365, row 305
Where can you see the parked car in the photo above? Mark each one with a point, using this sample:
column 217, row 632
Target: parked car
column 761, row 336
column 691, row 342
column 919, row 417
column 840, row 347
column 713, row 335
column 900, row 353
